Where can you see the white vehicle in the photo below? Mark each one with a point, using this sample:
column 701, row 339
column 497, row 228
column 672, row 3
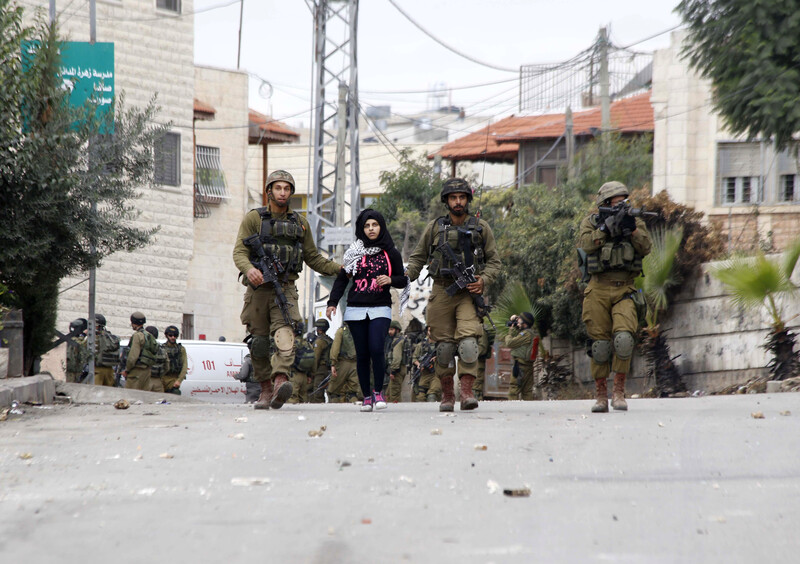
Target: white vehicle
column 212, row 367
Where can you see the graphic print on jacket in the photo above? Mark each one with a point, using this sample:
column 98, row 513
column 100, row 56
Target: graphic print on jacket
column 371, row 267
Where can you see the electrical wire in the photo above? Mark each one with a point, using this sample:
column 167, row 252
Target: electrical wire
column 166, row 16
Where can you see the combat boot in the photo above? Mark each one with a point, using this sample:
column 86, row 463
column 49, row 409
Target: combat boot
column 618, row 394
column 468, row 400
column 265, row 396
column 601, row 388
column 448, row 394
column 283, row 391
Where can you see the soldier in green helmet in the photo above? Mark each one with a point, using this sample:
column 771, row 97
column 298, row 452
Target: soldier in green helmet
column 451, row 312
column 141, row 356
column 520, row 339
column 286, row 236
column 428, row 387
column 395, row 361
column 486, row 345
column 175, row 371
column 302, row 369
column 613, row 258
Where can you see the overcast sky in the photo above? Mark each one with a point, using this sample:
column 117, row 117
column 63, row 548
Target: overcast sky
column 395, row 56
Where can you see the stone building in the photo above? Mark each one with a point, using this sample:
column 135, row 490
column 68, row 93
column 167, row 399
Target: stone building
column 751, row 192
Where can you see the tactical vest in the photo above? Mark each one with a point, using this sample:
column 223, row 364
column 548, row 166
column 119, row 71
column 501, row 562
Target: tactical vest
column 466, row 241
column 174, row 358
column 348, row 348
column 614, row 256
column 149, row 352
column 390, row 353
column 283, row 239
column 77, row 356
column 107, row 349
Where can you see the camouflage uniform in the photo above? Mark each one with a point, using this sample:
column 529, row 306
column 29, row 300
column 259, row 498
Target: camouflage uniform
column 485, row 344
column 344, row 386
column 395, row 365
column 428, row 387
column 322, row 360
column 520, row 341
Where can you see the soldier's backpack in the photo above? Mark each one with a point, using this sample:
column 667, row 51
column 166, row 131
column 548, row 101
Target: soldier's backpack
column 108, row 349
column 149, row 351
column 304, row 357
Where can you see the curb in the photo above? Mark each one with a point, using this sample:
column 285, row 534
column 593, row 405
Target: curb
column 34, row 389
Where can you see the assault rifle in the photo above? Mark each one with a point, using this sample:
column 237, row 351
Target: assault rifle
column 425, row 363
column 613, row 216
column 462, row 276
column 322, row 385
column 270, row 268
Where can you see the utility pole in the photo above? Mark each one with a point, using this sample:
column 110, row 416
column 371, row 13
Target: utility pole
column 92, row 247
column 335, row 130
column 605, row 102
column 570, row 140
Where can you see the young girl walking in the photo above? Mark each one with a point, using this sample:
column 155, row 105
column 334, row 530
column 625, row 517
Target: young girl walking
column 374, row 264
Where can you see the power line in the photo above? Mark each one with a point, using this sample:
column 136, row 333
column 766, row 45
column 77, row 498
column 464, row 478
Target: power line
column 166, row 16
column 448, row 47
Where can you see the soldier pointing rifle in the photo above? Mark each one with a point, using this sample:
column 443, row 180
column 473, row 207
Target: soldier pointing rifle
column 460, row 252
column 612, row 244
column 284, row 243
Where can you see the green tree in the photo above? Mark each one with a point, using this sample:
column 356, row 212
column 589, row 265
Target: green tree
column 749, row 52
column 410, row 200
column 762, row 282
column 55, row 163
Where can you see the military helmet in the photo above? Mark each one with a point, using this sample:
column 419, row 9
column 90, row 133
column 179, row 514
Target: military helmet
column 322, row 324
column 395, row 325
column 171, row 331
column 78, row 325
column 279, row 176
column 138, row 318
column 455, row 186
column 527, row 317
column 153, row 330
column 100, row 319
column 611, row 189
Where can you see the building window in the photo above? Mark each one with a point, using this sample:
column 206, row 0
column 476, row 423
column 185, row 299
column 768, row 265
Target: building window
column 209, row 176
column 739, row 174
column 367, row 201
column 167, row 166
column 788, row 192
column 187, row 327
column 169, row 5
column 741, row 190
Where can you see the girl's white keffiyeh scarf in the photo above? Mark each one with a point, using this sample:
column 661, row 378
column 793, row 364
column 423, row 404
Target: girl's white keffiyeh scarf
column 353, row 255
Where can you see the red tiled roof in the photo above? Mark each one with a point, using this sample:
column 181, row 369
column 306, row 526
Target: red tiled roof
column 264, row 129
column 629, row 115
column 203, row 108
column 499, row 142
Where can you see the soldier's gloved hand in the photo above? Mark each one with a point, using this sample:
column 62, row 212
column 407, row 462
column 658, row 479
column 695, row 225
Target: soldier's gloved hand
column 603, row 227
column 628, row 224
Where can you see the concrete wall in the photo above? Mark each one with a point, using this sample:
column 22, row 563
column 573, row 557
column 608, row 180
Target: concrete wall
column 719, row 344
column 213, row 293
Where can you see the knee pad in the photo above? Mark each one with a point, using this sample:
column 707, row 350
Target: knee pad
column 601, row 351
column 259, row 347
column 284, row 341
column 468, row 350
column 445, row 352
column 623, row 344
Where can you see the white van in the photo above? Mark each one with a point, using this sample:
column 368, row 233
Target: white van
column 212, row 370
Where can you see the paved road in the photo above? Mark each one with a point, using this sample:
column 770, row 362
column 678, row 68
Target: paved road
column 670, row 481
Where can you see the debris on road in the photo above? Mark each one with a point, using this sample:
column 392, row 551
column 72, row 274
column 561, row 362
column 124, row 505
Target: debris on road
column 493, row 486
column 250, row 481
column 757, row 415
column 481, row 447
column 786, row 413
column 237, row 436
column 25, row 455
column 166, row 455
column 317, row 433
column 122, row 404
column 407, row 480
column 436, row 431
column 343, row 463
column 241, row 419
column 519, row 492
column 366, row 521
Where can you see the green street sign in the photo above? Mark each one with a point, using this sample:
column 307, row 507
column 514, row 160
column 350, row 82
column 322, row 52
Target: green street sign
column 87, row 70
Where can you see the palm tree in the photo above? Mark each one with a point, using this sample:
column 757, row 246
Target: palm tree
column 759, row 281
column 658, row 279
